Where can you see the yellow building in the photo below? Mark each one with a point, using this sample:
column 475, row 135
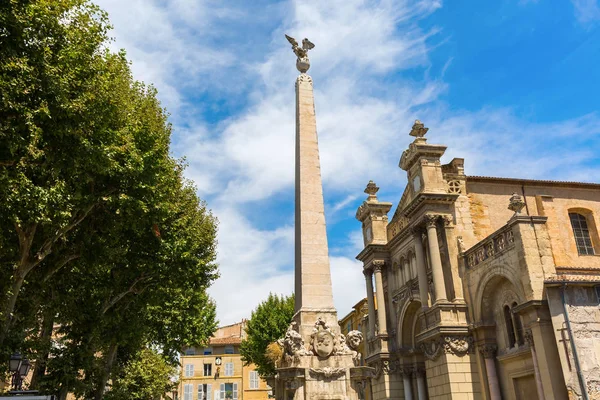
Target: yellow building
column 217, row 372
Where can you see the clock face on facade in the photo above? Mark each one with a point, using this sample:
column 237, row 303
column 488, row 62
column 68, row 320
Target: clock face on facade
column 218, row 361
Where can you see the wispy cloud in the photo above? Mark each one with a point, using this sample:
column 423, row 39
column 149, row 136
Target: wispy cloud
column 370, row 72
column 587, row 12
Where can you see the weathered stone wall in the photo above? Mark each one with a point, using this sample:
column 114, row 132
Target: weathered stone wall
column 451, row 377
column 584, row 314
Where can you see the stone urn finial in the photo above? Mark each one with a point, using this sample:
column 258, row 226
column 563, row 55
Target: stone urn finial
column 371, row 190
column 516, row 203
column 418, row 130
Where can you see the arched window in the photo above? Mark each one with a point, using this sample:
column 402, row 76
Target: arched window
column 510, row 331
column 518, row 326
column 581, row 233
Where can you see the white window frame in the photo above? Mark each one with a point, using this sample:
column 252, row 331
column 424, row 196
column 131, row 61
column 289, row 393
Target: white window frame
column 188, row 391
column 228, row 369
column 189, row 370
column 254, row 382
column 204, row 369
column 201, row 393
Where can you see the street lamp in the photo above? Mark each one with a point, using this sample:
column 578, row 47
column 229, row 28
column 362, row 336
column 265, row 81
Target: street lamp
column 19, row 366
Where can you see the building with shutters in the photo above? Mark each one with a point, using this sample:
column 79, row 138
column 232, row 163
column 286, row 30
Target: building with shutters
column 216, row 372
column 486, row 287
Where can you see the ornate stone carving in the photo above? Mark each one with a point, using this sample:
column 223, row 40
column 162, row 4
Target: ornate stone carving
column 322, row 340
column 448, row 220
column 461, row 244
column 528, row 336
column 432, row 349
column 431, row 220
column 457, row 345
column 304, row 78
column 454, row 187
column 371, row 190
column 406, row 370
column 302, row 61
column 292, row 343
column 488, row 350
column 378, row 265
column 353, row 341
column 327, row 372
column 516, row 203
column 367, row 273
column 418, row 129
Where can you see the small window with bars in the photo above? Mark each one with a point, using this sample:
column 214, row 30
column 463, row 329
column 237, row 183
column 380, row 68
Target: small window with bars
column 582, row 234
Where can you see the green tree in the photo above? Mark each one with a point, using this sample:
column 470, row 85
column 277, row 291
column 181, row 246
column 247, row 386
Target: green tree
column 146, row 377
column 268, row 322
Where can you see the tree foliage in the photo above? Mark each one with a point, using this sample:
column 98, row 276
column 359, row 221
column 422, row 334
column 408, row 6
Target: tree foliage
column 268, row 322
column 100, row 233
column 147, row 377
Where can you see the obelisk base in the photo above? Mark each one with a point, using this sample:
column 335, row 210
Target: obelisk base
column 328, row 368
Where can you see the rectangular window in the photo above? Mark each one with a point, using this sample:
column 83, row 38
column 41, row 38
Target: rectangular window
column 229, row 391
column 207, row 369
column 190, row 351
column 228, row 349
column 188, row 391
column 229, row 369
column 253, row 380
column 189, row 369
column 204, row 391
column 207, row 351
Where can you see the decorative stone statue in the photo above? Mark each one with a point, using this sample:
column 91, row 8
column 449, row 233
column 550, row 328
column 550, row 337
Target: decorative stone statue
column 353, row 340
column 293, row 344
column 418, row 129
column 516, row 204
column 302, row 62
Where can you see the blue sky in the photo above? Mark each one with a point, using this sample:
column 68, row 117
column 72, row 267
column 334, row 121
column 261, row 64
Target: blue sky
column 510, row 85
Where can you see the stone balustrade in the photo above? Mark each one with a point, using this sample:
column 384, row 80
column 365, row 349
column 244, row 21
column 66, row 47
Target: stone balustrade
column 490, row 247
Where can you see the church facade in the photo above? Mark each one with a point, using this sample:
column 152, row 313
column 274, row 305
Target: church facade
column 486, row 288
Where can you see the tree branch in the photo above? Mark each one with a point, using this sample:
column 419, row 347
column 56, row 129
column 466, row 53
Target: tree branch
column 132, row 289
column 59, row 265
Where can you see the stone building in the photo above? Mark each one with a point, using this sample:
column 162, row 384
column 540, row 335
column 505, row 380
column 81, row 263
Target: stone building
column 487, row 288
column 216, row 372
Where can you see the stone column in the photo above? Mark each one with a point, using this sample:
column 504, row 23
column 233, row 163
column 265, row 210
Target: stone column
column 536, row 368
column 421, row 386
column 421, row 270
column 406, row 375
column 434, row 256
column 489, row 355
column 377, row 266
column 370, row 301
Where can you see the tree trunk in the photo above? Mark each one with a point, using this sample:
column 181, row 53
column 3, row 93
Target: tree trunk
column 42, row 357
column 110, row 359
column 9, row 306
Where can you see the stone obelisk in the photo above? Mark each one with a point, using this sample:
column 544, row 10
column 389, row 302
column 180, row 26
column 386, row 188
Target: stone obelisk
column 313, row 290
column 318, row 362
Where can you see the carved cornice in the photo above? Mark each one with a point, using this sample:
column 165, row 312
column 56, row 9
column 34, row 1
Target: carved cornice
column 488, row 350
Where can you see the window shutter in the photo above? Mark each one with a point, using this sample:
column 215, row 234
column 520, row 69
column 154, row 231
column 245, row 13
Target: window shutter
column 200, row 392
column 229, row 369
column 187, row 391
column 235, row 392
column 208, row 391
column 222, row 387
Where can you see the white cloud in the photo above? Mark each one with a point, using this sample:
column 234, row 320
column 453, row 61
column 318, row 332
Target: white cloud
column 587, row 12
column 363, row 116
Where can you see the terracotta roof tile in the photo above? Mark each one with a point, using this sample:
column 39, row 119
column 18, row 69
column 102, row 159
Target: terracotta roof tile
column 227, row 340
